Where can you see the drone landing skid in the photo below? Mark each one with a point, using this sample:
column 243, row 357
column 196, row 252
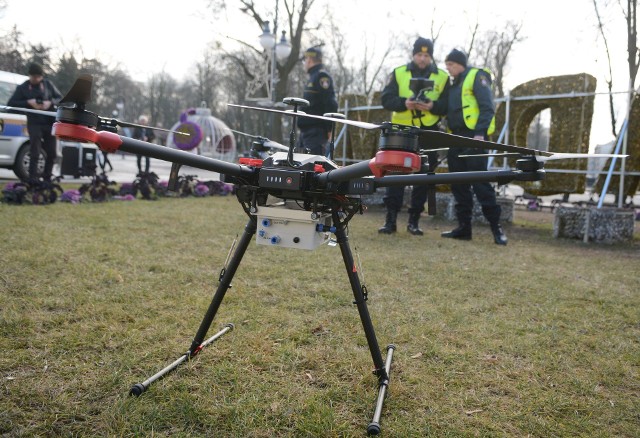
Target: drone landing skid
column 382, row 368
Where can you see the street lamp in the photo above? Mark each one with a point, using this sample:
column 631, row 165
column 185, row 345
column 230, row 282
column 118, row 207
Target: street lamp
column 283, row 48
column 277, row 53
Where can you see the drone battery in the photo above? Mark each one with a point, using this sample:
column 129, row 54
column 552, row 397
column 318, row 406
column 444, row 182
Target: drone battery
column 281, row 179
column 289, row 228
column 361, row 186
column 79, row 160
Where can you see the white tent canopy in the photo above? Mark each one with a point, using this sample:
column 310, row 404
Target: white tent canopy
column 217, row 139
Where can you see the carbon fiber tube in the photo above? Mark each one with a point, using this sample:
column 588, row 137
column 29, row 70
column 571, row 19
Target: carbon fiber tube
column 347, row 173
column 185, row 158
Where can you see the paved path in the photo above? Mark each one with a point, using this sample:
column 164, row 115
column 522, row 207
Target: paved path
column 125, row 170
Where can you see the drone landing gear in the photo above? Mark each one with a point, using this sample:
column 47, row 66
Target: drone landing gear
column 382, row 368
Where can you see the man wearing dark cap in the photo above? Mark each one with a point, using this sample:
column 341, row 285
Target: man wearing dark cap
column 314, row 134
column 469, row 107
column 40, row 94
column 412, row 111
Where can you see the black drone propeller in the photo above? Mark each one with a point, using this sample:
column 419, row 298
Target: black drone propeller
column 80, row 92
column 264, row 141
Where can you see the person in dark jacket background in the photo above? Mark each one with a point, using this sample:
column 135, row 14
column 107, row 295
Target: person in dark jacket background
column 40, row 94
column 314, row 134
column 411, row 110
column 145, row 134
column 470, row 110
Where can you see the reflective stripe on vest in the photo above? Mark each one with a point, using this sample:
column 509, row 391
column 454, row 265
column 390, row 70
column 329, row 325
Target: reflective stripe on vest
column 470, row 109
column 403, row 77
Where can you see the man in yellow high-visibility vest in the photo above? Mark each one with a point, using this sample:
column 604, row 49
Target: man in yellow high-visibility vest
column 411, row 110
column 470, row 110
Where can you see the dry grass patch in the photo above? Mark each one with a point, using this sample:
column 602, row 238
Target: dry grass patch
column 538, row 338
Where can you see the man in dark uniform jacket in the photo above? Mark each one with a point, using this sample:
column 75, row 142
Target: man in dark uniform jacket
column 411, row 110
column 470, row 110
column 314, row 134
column 40, row 94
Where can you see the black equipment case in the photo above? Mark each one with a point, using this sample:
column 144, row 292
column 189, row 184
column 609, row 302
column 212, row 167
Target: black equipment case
column 79, row 159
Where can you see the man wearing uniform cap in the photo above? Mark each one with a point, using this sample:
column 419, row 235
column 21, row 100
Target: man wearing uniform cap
column 409, row 110
column 314, row 133
column 470, row 110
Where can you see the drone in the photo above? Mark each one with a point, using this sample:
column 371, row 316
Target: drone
column 302, row 201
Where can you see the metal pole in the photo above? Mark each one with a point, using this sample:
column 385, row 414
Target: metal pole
column 344, row 140
column 605, row 186
column 139, row 388
column 623, row 160
column 374, row 426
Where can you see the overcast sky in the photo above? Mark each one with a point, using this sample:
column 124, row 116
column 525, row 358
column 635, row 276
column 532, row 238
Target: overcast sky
column 146, row 37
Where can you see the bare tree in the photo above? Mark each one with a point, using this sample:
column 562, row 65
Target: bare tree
column 343, row 74
column 494, row 49
column 608, row 80
column 474, row 34
column 295, row 19
column 13, row 52
column 633, row 53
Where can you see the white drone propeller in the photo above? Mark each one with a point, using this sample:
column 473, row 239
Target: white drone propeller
column 569, row 155
column 551, row 157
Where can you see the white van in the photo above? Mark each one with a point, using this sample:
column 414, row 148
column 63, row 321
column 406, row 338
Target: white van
column 14, row 139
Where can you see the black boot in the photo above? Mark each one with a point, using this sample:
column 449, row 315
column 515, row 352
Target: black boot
column 492, row 213
column 463, row 232
column 412, row 226
column 498, row 234
column 389, row 226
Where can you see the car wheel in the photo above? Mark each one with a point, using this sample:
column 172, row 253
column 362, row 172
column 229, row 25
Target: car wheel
column 23, row 158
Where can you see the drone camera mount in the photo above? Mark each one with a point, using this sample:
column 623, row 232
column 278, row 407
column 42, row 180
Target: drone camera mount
column 291, row 228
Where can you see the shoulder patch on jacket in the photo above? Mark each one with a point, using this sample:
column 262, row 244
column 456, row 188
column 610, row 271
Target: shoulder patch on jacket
column 325, row 82
column 484, row 81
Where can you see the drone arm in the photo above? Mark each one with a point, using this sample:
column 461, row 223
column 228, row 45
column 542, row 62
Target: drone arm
column 353, row 171
column 185, row 158
column 111, row 142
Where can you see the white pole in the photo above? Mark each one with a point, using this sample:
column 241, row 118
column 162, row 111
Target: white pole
column 624, row 149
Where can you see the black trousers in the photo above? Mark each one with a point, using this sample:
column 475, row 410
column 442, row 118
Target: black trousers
column 394, row 196
column 313, row 139
column 463, row 193
column 40, row 138
column 147, row 162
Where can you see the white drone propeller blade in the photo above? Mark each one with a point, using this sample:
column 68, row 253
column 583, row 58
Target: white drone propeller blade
column 364, row 125
column 568, row 155
column 27, row 110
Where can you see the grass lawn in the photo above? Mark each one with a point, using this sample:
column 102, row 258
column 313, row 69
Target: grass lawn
column 539, row 338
